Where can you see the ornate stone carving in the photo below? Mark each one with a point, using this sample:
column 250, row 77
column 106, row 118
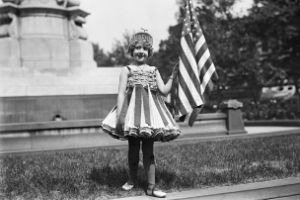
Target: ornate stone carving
column 68, row 3
column 9, row 28
column 76, row 29
column 43, row 36
column 12, row 1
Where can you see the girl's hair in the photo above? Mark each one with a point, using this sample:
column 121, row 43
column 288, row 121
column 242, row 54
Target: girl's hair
column 145, row 44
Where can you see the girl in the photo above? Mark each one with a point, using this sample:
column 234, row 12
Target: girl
column 141, row 115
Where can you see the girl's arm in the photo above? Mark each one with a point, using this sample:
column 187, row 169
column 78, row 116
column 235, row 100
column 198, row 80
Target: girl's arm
column 164, row 88
column 122, row 89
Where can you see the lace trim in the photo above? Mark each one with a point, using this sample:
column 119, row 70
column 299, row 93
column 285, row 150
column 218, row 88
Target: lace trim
column 144, row 133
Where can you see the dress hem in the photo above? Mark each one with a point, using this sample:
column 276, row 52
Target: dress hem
column 161, row 135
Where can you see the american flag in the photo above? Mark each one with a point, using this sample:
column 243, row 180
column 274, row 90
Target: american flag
column 196, row 69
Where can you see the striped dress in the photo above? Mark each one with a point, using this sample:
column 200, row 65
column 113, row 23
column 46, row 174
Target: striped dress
column 144, row 113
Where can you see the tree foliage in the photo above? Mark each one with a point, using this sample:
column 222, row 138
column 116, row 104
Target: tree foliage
column 100, row 57
column 119, row 55
column 251, row 51
column 276, row 25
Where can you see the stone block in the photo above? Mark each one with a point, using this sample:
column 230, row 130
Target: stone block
column 235, row 123
column 9, row 53
column 44, row 108
column 81, row 54
column 43, row 25
column 29, row 82
column 43, row 53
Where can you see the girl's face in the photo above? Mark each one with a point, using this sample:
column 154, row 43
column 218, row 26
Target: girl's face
column 140, row 53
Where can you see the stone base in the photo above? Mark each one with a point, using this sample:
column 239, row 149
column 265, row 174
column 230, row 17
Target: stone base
column 32, row 96
column 9, row 53
column 45, row 54
column 80, row 54
column 55, row 108
column 80, row 81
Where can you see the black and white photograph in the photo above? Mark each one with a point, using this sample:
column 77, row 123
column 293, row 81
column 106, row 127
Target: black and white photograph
column 149, row 99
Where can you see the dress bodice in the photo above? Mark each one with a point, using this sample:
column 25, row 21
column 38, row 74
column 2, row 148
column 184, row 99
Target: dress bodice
column 145, row 76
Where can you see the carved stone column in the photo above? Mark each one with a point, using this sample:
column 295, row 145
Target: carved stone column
column 44, row 36
column 9, row 38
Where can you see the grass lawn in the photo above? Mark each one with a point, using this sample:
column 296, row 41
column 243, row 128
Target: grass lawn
column 99, row 173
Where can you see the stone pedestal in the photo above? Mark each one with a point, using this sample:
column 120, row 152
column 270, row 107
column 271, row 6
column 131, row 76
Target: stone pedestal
column 47, row 66
column 80, row 94
column 43, row 36
column 9, row 53
column 80, row 52
column 235, row 123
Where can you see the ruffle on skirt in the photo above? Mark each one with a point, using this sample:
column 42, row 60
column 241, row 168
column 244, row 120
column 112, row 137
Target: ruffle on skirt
column 145, row 116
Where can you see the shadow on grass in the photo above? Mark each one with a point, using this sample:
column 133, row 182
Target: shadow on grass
column 115, row 177
column 109, row 176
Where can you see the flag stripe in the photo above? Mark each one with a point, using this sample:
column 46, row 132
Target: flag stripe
column 200, row 42
column 207, row 77
column 203, row 59
column 188, row 60
column 188, row 44
column 186, row 68
column 201, row 51
column 205, row 68
column 186, row 91
column 185, row 105
column 193, row 86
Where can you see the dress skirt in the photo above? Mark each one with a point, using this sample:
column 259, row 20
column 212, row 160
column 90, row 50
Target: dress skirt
column 144, row 114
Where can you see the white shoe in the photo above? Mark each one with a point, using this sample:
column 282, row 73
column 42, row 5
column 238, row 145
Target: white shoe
column 127, row 186
column 156, row 193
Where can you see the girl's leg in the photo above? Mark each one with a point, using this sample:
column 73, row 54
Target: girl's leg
column 133, row 159
column 149, row 165
column 149, row 161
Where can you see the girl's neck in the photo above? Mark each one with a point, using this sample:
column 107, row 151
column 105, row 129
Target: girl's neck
column 139, row 64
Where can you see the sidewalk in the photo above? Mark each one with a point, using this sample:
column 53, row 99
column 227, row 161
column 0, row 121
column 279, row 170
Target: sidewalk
column 280, row 189
column 95, row 140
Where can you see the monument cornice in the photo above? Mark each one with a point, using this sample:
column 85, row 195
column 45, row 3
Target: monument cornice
column 9, row 7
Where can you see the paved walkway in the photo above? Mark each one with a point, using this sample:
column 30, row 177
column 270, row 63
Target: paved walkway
column 75, row 141
column 281, row 189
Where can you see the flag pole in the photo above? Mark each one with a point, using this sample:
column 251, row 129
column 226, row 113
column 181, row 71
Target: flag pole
column 193, row 116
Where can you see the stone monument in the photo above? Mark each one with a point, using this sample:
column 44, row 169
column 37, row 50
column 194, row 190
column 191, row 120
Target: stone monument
column 46, row 64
